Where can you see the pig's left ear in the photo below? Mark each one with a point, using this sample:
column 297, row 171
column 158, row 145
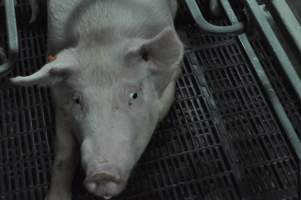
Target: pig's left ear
column 163, row 53
column 165, row 50
column 51, row 73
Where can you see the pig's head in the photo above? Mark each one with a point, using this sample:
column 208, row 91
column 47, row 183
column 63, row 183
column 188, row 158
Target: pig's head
column 110, row 94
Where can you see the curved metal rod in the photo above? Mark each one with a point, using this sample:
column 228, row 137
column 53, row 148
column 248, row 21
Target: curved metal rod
column 13, row 43
column 208, row 27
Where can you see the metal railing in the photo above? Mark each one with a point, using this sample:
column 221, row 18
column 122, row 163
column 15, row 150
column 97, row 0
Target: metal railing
column 13, row 44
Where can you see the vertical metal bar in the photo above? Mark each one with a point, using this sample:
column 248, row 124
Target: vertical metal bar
column 13, row 44
column 299, row 180
column 270, row 92
column 291, row 24
column 275, row 45
column 267, row 86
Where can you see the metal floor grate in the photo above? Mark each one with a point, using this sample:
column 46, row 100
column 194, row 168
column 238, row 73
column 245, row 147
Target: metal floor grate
column 221, row 140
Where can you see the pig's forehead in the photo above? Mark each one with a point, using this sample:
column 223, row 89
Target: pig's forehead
column 103, row 65
column 105, row 78
column 95, row 78
column 102, row 60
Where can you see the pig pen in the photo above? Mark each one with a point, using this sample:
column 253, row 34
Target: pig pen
column 222, row 139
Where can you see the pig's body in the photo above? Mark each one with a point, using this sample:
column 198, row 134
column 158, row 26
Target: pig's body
column 113, row 80
column 108, row 18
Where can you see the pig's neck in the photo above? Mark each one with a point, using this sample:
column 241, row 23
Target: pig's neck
column 108, row 20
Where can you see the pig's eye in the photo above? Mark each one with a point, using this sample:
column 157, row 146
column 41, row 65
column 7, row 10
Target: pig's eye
column 134, row 95
column 145, row 56
column 77, row 99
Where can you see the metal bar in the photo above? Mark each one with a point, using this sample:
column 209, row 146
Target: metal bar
column 13, row 43
column 275, row 45
column 267, row 86
column 299, row 180
column 215, row 7
column 289, row 22
column 270, row 92
column 196, row 13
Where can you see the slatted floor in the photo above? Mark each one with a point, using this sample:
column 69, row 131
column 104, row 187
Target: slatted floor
column 220, row 141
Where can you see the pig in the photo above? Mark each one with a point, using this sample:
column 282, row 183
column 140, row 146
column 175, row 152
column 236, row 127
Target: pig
column 112, row 78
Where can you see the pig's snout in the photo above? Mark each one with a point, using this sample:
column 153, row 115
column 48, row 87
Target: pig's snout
column 105, row 184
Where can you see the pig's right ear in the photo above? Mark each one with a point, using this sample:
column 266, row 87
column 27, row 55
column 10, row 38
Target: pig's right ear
column 51, row 73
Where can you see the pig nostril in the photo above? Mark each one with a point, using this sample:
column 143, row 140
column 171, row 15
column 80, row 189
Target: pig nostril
column 104, row 184
column 91, row 186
